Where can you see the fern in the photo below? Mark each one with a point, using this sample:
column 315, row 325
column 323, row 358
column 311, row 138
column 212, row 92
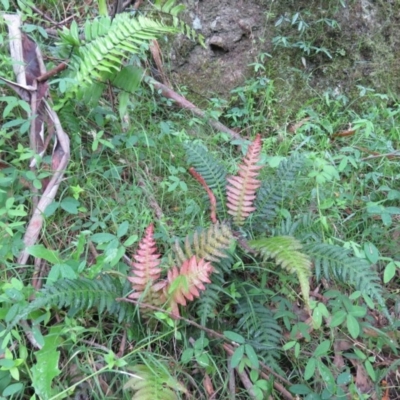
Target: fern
column 241, row 188
column 262, row 329
column 209, row 244
column 211, row 170
column 145, row 269
column 285, row 251
column 274, row 190
column 186, row 282
column 335, row 260
column 168, row 7
column 153, row 383
column 80, row 295
column 207, row 303
column 109, row 42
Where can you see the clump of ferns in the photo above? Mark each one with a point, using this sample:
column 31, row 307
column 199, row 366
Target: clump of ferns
column 186, row 279
column 252, row 204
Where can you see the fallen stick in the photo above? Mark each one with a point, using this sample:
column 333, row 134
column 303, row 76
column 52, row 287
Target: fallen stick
column 184, row 103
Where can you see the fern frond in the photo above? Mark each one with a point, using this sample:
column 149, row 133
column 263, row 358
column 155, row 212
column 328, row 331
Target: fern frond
column 241, row 189
column 186, row 282
column 261, row 328
column 274, row 190
column 173, row 10
column 210, row 244
column 331, row 260
column 80, row 295
column 153, row 383
column 211, row 170
column 108, row 42
column 285, row 251
column 206, row 307
column 145, row 269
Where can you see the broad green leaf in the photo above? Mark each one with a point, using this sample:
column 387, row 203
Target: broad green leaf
column 70, row 205
column 338, row 318
column 344, row 378
column 234, row 337
column 46, row 367
column 251, row 354
column 353, row 326
column 300, row 389
column 12, row 389
column 39, row 251
column 102, row 237
column 237, row 356
column 187, row 355
column 327, row 376
column 371, row 252
column 390, row 271
column 310, row 369
column 322, row 349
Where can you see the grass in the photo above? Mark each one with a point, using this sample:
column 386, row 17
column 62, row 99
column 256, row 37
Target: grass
column 345, row 195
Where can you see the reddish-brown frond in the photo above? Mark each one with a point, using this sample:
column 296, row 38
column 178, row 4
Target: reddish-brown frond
column 186, row 282
column 144, row 270
column 241, row 189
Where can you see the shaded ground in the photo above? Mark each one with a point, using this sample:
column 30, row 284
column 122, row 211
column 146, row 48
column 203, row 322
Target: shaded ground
column 362, row 49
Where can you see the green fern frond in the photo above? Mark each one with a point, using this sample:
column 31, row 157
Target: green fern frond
column 206, row 305
column 108, row 43
column 80, row 295
column 170, row 8
column 331, row 260
column 211, row 170
column 261, row 328
column 285, row 251
column 154, row 383
column 274, row 190
column 210, row 244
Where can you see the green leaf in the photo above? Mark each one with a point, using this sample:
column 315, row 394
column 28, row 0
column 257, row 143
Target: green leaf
column 322, row 349
column 70, row 205
column 289, row 345
column 102, row 237
column 46, row 367
column 344, row 378
column 234, row 337
column 370, row 370
column 237, row 356
column 353, row 326
column 187, row 356
column 39, row 251
column 358, row 311
column 300, row 389
column 327, row 376
column 123, row 100
column 338, row 318
column 203, row 359
column 123, row 229
column 310, row 369
column 389, row 272
column 371, row 252
column 251, row 354
column 12, row 389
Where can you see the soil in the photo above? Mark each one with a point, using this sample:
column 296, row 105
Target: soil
column 363, row 49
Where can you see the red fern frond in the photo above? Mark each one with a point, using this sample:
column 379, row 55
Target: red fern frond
column 144, row 269
column 241, row 189
column 187, row 282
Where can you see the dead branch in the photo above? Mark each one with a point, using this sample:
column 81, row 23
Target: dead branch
column 184, row 103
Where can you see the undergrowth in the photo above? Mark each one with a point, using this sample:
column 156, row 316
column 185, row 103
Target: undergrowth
column 178, row 266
